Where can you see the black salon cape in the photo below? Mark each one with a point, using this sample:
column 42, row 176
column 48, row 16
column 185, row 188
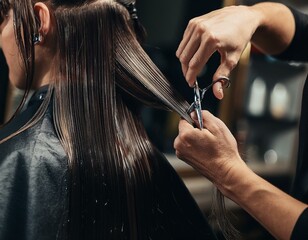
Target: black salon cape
column 33, row 169
column 33, row 195
column 298, row 51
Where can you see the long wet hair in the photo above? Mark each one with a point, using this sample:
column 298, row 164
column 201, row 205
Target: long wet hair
column 101, row 76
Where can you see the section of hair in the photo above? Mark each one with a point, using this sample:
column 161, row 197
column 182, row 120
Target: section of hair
column 102, row 71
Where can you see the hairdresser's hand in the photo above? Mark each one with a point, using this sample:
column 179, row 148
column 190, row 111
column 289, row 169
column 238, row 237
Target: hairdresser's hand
column 227, row 31
column 212, row 151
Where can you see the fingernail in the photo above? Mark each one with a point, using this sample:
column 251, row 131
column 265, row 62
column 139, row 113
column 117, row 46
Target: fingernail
column 221, row 93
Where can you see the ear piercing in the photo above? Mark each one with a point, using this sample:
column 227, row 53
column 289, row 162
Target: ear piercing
column 37, row 38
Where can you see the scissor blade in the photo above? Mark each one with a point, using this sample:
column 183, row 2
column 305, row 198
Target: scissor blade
column 197, row 104
column 191, row 108
column 199, row 116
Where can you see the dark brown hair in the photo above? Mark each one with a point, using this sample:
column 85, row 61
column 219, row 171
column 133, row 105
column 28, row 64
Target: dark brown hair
column 100, row 76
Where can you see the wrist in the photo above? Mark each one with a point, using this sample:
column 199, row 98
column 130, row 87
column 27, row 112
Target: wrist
column 236, row 180
column 259, row 15
column 272, row 35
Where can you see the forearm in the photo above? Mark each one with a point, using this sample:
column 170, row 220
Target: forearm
column 274, row 209
column 276, row 27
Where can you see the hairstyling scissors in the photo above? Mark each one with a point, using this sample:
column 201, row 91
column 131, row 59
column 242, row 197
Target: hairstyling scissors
column 199, row 95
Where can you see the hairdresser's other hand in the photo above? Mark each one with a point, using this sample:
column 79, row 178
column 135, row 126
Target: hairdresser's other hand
column 227, row 30
column 212, row 151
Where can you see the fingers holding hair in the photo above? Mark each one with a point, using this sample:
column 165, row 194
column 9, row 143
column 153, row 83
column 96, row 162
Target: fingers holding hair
column 211, row 123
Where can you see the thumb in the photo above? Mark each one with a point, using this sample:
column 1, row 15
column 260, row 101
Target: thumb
column 184, row 126
column 228, row 63
column 218, row 90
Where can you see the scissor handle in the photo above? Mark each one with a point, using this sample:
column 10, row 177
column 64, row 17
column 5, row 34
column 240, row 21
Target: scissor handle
column 224, row 80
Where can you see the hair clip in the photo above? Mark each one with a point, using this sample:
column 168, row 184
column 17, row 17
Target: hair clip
column 132, row 10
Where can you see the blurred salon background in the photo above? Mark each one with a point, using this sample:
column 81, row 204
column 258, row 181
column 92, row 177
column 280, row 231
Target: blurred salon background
column 261, row 107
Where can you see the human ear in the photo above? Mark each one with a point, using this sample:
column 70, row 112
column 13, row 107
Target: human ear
column 42, row 15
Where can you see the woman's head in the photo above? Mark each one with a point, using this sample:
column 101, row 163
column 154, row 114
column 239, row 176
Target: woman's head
column 81, row 43
column 23, row 22
column 70, row 33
